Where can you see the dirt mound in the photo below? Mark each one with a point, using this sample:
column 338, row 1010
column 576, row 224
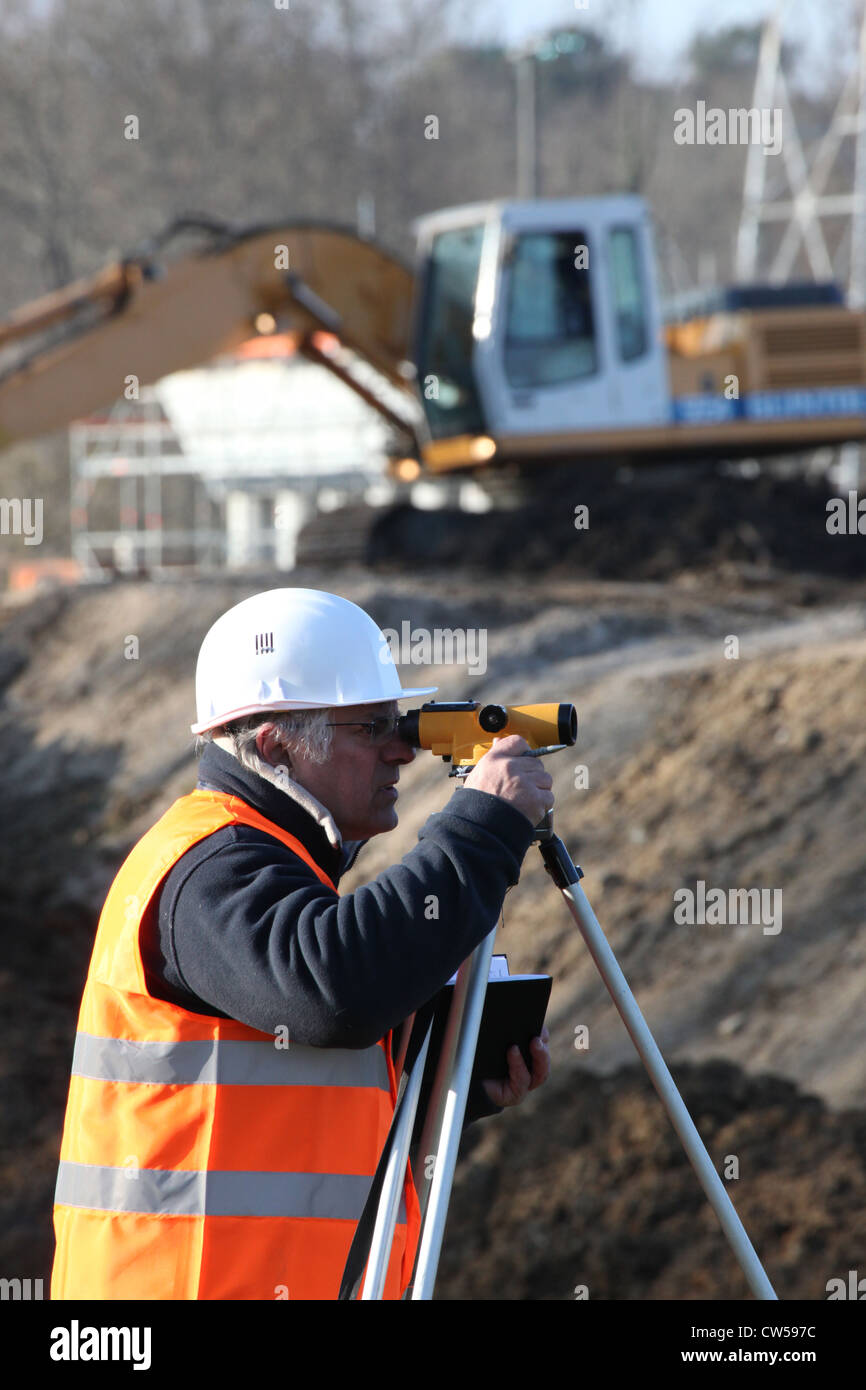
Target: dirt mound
column 589, row 1192
column 648, row 527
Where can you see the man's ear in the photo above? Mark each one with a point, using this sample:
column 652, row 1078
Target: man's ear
column 269, row 746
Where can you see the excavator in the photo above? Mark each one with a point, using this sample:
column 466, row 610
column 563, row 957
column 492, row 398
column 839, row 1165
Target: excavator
column 527, row 333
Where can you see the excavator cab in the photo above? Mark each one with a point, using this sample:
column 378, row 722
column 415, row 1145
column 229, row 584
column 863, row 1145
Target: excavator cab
column 539, row 318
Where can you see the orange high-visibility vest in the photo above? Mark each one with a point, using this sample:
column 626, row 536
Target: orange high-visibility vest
column 201, row 1158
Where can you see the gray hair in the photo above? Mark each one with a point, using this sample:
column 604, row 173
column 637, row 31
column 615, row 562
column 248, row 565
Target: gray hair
column 307, row 730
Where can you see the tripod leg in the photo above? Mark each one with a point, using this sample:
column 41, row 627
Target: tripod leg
column 447, row 1109
column 405, row 1036
column 389, row 1201
column 567, row 877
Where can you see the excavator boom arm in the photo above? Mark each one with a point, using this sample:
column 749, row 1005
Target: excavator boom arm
column 72, row 352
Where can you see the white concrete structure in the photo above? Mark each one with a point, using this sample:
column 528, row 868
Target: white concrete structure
column 262, row 438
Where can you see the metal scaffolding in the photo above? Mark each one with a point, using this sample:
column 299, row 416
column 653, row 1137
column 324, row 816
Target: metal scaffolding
column 265, row 445
column 136, row 447
column 799, row 209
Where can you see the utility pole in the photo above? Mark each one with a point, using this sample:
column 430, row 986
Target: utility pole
column 523, row 59
column 541, row 49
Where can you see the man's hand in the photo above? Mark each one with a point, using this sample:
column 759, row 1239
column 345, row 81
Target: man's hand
column 518, row 1082
column 507, row 771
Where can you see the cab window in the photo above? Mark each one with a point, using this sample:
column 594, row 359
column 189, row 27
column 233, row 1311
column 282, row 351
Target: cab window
column 550, row 333
column 629, row 304
column 445, row 377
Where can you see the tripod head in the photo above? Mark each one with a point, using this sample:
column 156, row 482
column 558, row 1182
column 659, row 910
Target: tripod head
column 462, row 731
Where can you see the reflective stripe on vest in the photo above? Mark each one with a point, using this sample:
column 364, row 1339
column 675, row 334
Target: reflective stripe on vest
column 202, row 1158
column 337, row 1196
column 228, row 1062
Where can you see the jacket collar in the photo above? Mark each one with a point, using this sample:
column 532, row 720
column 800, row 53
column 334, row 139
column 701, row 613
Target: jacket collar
column 220, row 771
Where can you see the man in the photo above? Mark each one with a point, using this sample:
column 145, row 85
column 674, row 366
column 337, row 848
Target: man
column 233, row 1081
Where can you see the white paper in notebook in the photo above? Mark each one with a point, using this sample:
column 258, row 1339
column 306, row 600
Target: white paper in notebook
column 499, row 971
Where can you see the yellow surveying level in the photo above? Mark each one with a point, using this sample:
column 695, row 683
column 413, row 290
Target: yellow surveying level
column 462, row 731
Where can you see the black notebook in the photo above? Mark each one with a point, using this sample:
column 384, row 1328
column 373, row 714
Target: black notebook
column 514, row 1010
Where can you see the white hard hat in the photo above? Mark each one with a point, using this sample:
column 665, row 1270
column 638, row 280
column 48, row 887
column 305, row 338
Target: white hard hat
column 293, row 649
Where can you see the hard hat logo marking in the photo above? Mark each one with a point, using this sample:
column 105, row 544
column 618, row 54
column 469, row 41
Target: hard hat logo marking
column 264, row 643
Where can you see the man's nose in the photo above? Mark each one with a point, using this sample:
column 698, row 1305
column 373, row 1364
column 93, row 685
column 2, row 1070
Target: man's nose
column 397, row 750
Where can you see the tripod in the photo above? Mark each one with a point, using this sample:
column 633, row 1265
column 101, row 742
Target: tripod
column 443, row 1123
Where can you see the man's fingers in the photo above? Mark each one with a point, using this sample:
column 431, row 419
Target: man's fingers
column 519, row 1082
column 540, row 1061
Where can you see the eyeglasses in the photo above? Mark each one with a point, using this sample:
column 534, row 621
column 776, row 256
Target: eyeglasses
column 379, row 730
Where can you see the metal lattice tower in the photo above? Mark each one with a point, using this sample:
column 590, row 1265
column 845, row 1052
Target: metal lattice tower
column 807, row 200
